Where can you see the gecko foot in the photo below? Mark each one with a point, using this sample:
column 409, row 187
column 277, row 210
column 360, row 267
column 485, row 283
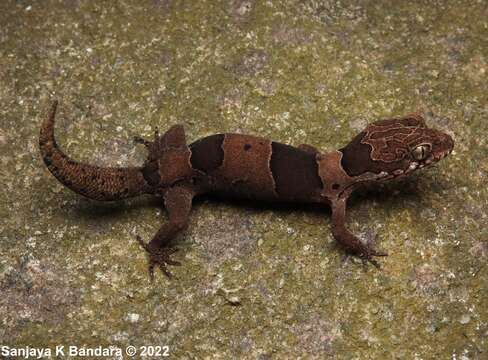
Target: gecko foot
column 146, row 143
column 366, row 254
column 140, row 140
column 160, row 258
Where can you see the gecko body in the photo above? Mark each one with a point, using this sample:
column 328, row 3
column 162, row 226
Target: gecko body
column 252, row 167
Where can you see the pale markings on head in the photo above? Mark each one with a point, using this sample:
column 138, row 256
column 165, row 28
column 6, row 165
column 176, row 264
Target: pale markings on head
column 393, row 142
column 396, row 147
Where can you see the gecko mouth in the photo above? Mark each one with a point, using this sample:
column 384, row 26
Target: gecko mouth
column 431, row 160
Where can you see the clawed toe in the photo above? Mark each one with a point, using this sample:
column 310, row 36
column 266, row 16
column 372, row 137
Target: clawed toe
column 140, row 140
column 142, row 243
column 160, row 258
column 370, row 260
column 367, row 256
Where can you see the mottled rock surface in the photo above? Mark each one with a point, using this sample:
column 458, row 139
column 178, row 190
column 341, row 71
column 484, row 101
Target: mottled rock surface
column 256, row 281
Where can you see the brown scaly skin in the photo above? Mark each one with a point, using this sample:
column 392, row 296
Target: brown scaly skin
column 244, row 166
column 91, row 181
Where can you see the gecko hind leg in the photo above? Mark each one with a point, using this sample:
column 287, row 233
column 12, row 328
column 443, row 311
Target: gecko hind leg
column 177, row 201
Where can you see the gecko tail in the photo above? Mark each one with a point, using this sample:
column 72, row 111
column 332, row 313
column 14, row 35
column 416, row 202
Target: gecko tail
column 98, row 183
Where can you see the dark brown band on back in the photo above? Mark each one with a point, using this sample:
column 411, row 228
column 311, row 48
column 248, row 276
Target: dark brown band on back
column 295, row 172
column 207, row 153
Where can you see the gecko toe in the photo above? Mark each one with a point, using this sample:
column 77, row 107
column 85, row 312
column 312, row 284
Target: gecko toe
column 365, row 259
column 172, row 262
column 374, row 263
column 165, row 271
column 172, row 250
column 150, row 270
column 367, row 254
column 142, row 243
column 140, row 140
column 160, row 258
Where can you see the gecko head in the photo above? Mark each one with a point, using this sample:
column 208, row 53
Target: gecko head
column 395, row 147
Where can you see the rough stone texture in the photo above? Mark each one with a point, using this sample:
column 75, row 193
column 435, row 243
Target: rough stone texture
column 257, row 282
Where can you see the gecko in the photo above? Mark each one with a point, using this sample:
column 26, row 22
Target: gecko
column 251, row 167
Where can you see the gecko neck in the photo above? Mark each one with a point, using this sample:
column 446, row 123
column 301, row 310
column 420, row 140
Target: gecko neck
column 334, row 179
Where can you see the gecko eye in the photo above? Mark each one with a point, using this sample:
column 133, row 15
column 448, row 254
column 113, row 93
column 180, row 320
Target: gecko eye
column 421, row 152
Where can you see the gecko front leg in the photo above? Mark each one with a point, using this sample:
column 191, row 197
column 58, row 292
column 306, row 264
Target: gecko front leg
column 347, row 239
column 177, row 201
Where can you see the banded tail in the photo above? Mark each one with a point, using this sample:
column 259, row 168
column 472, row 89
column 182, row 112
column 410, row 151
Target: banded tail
column 98, row 183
